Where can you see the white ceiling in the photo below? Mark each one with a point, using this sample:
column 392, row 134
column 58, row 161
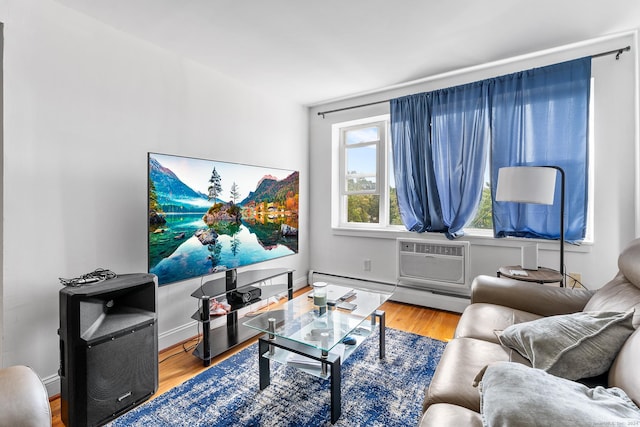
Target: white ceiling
column 312, row 51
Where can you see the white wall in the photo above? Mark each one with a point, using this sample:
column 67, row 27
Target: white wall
column 84, row 103
column 615, row 174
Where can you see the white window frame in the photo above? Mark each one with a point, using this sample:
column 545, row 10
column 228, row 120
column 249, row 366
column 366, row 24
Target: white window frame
column 339, row 191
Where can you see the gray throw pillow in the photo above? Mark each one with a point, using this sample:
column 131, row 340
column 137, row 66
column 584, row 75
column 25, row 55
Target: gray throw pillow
column 512, row 394
column 572, row 346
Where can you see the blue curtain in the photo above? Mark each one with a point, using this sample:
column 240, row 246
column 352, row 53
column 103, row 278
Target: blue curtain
column 460, row 129
column 541, row 117
column 418, row 199
column 440, row 142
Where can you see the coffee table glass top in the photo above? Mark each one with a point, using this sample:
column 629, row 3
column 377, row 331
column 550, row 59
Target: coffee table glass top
column 300, row 320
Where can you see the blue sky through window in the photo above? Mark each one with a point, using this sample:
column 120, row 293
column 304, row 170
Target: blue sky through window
column 362, row 159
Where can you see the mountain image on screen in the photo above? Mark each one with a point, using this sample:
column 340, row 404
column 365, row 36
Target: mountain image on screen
column 174, row 195
column 208, row 216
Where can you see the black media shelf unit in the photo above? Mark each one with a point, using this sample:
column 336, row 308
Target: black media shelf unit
column 218, row 340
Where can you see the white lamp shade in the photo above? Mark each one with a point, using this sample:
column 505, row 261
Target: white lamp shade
column 526, row 184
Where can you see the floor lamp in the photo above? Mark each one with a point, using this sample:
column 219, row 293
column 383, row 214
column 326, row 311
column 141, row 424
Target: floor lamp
column 533, row 184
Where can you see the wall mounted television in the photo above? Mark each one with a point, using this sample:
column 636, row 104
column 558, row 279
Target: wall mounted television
column 209, row 216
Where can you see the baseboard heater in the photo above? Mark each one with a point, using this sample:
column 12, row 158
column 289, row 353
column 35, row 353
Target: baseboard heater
column 409, row 295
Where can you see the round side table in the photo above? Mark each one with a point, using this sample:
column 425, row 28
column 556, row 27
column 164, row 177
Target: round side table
column 541, row 275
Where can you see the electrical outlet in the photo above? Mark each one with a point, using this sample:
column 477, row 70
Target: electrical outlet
column 574, row 281
column 367, row 265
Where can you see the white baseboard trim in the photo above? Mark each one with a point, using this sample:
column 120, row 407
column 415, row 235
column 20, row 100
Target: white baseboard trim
column 178, row 334
column 431, row 299
column 52, row 384
column 422, row 297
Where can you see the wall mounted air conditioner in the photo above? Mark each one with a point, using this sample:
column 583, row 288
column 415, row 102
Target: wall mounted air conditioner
column 433, row 265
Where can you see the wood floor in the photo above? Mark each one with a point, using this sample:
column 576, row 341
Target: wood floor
column 177, row 364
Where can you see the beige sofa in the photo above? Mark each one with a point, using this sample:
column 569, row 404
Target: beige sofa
column 23, row 399
column 453, row 398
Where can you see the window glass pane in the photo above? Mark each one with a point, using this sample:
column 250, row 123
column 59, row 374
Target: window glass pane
column 394, row 211
column 484, row 217
column 363, row 208
column 356, row 136
column 362, row 160
column 361, row 183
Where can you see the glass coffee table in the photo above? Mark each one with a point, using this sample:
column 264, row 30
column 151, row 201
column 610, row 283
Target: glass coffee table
column 317, row 339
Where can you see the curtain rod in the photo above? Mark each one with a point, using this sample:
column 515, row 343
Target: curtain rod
column 617, row 52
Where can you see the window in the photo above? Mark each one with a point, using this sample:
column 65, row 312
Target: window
column 367, row 192
column 366, row 195
column 363, row 168
column 364, row 174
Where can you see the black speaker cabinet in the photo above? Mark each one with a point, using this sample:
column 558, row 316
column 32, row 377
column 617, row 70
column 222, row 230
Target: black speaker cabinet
column 108, row 348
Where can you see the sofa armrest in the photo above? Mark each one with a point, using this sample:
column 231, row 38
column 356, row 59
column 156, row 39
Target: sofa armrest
column 23, row 398
column 532, row 297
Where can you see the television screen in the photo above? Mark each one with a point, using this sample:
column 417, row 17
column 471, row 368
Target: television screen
column 207, row 216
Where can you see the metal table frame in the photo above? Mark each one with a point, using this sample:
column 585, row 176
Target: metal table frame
column 327, row 359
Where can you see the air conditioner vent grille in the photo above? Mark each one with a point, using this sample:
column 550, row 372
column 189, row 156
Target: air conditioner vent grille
column 433, row 249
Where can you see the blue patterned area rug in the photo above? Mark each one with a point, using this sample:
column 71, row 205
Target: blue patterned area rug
column 387, row 392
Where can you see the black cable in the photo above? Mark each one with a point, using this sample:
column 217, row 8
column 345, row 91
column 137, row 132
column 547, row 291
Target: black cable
column 97, row 275
column 184, row 348
column 576, row 282
column 188, row 349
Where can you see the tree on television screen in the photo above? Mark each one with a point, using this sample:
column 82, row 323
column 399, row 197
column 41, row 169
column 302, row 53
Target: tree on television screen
column 215, row 188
